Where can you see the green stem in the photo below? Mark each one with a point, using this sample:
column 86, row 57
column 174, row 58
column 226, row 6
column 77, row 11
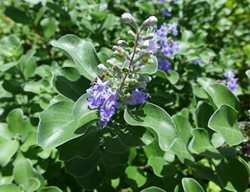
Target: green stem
column 131, row 60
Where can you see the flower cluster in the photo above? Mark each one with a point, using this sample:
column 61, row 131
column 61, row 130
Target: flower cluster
column 121, row 81
column 231, row 82
column 164, row 46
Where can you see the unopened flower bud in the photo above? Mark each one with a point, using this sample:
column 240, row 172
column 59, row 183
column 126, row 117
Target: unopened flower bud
column 125, row 69
column 110, row 62
column 131, row 33
column 128, row 19
column 144, row 59
column 122, row 43
column 152, row 20
column 148, row 37
column 131, row 81
column 148, row 79
column 131, row 44
column 115, row 47
column 102, row 67
column 119, row 54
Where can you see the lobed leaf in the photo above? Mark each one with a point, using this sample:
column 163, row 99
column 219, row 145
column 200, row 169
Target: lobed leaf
column 153, row 117
column 224, row 121
column 81, row 52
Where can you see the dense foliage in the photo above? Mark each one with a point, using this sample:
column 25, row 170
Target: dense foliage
column 168, row 109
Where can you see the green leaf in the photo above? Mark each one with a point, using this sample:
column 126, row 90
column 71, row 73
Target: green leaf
column 180, row 149
column 191, row 185
column 26, row 176
column 17, row 15
column 9, row 188
column 224, row 121
column 6, row 66
column 27, row 63
column 81, row 52
column 91, row 180
column 151, row 66
column 202, row 114
column 153, row 189
column 7, row 150
column 154, row 117
column 233, row 175
column 33, row 1
column 81, row 112
column 199, row 91
column 220, row 95
column 49, row 26
column 201, row 144
column 51, row 189
column 172, row 76
column 15, row 122
column 135, row 174
column 183, row 128
column 56, row 125
column 69, row 83
column 10, row 46
column 248, row 74
column 73, row 148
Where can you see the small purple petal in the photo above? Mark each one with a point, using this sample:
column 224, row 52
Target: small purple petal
column 138, row 97
column 164, row 65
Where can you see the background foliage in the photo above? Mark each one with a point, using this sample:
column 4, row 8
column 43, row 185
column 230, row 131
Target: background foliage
column 192, row 136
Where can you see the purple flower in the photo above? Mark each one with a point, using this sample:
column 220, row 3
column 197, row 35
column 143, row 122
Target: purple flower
column 168, row 48
column 137, row 97
column 153, row 46
column 107, row 109
column 232, row 84
column 164, row 65
column 162, row 1
column 162, row 33
column 231, row 80
column 229, row 74
column 166, row 13
column 173, row 28
column 198, row 61
column 97, row 94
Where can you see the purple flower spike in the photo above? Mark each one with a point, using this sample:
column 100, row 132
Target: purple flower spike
column 164, row 65
column 97, row 94
column 162, row 1
column 138, row 97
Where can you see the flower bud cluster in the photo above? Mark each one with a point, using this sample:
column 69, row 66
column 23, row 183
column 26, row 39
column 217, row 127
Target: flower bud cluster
column 120, row 81
column 164, row 46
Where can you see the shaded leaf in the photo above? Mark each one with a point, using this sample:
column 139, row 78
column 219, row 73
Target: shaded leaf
column 233, row 175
